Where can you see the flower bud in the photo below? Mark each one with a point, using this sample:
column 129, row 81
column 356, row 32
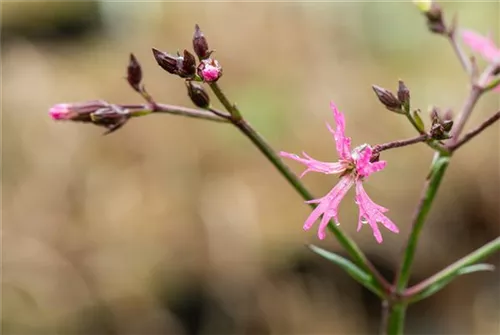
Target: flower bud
column 111, row 118
column 187, row 66
column 404, row 95
column 166, row 61
column 200, row 45
column 388, row 99
column 435, row 21
column 80, row 111
column 134, row 73
column 441, row 125
column 198, row 94
column 209, row 70
column 97, row 112
column 183, row 66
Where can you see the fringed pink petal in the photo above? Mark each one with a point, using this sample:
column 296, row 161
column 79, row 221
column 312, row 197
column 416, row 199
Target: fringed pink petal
column 372, row 213
column 481, row 44
column 328, row 206
column 315, row 165
column 343, row 143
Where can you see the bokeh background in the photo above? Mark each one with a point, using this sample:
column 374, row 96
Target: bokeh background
column 180, row 226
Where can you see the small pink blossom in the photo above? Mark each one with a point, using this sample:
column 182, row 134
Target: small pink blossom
column 484, row 45
column 60, row 111
column 209, row 70
column 354, row 166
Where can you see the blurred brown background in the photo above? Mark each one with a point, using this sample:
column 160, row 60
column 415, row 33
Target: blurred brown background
column 180, row 226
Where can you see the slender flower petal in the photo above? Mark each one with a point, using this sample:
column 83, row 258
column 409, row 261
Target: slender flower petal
column 328, row 206
column 315, row 165
column 372, row 213
column 481, row 44
column 343, row 143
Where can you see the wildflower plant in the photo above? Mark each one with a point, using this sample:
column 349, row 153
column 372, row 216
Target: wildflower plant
column 354, row 166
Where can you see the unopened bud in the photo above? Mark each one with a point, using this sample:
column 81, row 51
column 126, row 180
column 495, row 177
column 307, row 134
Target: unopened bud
column 134, row 73
column 166, row 61
column 447, row 125
column 200, row 45
column 435, row 21
column 388, row 99
column 80, row 111
column 111, row 118
column 209, row 70
column 183, row 66
column 404, row 95
column 97, row 112
column 187, row 68
column 441, row 124
column 198, row 95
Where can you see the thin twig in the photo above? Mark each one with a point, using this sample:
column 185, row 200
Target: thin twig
column 467, row 137
column 176, row 110
column 400, row 143
column 461, row 55
column 474, row 95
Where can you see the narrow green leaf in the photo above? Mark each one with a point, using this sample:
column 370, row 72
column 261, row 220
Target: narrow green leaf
column 352, row 269
column 441, row 283
column 418, row 121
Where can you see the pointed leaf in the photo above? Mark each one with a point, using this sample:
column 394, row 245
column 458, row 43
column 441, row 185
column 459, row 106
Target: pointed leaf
column 352, row 269
column 440, row 284
column 418, row 120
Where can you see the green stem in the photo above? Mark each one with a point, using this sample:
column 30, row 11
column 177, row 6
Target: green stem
column 231, row 108
column 394, row 314
column 396, row 319
column 349, row 245
column 432, row 184
column 475, row 256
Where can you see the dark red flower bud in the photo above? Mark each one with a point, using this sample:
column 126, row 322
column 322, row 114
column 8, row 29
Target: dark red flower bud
column 134, row 73
column 198, row 94
column 166, row 61
column 97, row 112
column 435, row 21
column 184, row 67
column 388, row 99
column 80, row 111
column 187, row 65
column 200, row 45
column 404, row 95
column 441, row 125
column 111, row 118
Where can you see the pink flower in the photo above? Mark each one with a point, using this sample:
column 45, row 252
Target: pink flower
column 484, row 45
column 209, row 70
column 354, row 166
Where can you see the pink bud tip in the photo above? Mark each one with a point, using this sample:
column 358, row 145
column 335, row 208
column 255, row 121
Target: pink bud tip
column 209, row 70
column 59, row 111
